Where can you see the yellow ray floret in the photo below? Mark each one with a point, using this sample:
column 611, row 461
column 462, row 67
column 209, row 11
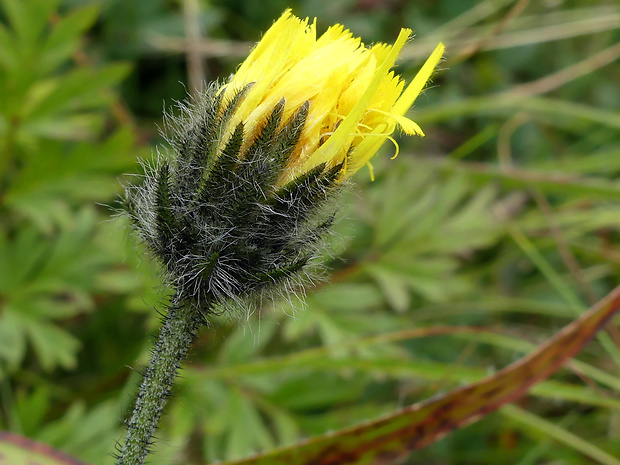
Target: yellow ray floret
column 356, row 102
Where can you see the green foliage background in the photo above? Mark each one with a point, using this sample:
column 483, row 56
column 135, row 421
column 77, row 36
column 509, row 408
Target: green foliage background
column 505, row 217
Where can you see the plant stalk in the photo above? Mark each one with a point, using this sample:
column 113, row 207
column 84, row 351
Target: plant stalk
column 177, row 334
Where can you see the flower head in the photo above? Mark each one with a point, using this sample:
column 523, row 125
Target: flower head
column 236, row 210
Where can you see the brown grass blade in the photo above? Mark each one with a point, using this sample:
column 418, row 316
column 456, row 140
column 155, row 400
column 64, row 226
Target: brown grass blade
column 20, row 450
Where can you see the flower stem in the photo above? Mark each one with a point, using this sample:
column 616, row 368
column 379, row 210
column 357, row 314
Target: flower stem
column 177, row 334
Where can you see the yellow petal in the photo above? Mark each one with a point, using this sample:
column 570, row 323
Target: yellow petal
column 413, row 90
column 408, row 126
column 325, row 152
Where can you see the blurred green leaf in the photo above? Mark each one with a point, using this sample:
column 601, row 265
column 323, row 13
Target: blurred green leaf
column 65, row 37
column 18, row 450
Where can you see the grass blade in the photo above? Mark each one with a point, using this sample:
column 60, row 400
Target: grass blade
column 534, row 422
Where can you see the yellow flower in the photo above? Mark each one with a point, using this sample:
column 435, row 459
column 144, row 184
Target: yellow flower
column 356, row 102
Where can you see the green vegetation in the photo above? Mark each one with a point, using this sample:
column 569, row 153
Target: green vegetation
column 504, row 217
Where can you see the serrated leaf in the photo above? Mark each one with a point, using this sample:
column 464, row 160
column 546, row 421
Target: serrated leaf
column 393, row 286
column 72, row 90
column 64, row 38
column 246, row 431
column 32, row 408
column 53, row 346
column 349, row 297
column 9, row 56
column 12, row 338
column 247, row 341
column 29, row 17
column 74, row 126
column 87, row 433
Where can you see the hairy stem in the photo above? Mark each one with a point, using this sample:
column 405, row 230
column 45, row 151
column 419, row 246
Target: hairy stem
column 177, row 334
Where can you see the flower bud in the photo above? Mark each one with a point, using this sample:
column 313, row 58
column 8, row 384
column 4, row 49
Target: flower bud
column 238, row 207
